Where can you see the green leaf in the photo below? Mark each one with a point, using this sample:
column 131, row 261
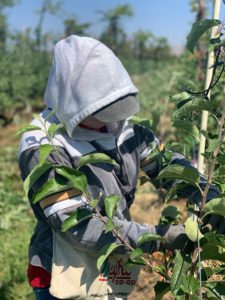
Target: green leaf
column 215, row 206
column 187, row 127
column 40, row 168
column 197, row 30
column 180, row 97
column 161, row 288
column 95, row 158
column 77, row 179
column 136, row 253
column 193, row 106
column 192, row 228
column 135, row 257
column 171, row 212
column 130, row 264
column 189, row 284
column 38, row 117
column 213, row 144
column 221, row 171
column 219, row 181
column 219, row 270
column 44, row 151
column 211, row 294
column 34, row 175
column 221, row 159
column 109, row 226
column 212, row 251
column 206, row 155
column 28, row 128
column 147, row 237
column 214, row 239
column 217, row 289
column 173, row 191
column 143, row 122
column 181, row 265
column 52, row 186
column 105, row 252
column 175, row 171
column 94, row 203
column 206, row 273
column 53, row 128
column 215, row 41
column 77, row 217
column 51, row 113
column 209, row 271
column 111, row 203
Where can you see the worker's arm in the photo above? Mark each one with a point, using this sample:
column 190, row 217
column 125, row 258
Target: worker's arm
column 152, row 164
column 90, row 234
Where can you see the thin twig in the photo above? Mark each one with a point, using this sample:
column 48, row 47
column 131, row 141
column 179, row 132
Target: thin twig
column 213, row 161
column 200, row 266
column 101, row 218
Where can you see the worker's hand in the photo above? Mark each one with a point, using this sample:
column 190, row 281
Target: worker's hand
column 176, row 237
column 213, row 222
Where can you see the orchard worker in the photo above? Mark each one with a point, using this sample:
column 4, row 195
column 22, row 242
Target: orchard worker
column 93, row 95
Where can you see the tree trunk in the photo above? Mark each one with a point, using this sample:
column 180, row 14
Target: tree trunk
column 201, row 10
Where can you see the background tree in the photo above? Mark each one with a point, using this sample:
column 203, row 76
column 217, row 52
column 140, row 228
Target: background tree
column 72, row 26
column 48, row 6
column 3, row 32
column 141, row 44
column 114, row 34
column 162, row 49
column 3, row 23
column 7, row 3
column 199, row 8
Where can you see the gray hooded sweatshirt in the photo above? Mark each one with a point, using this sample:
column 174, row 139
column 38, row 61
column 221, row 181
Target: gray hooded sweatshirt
column 86, row 76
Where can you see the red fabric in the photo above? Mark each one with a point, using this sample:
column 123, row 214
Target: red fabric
column 38, row 277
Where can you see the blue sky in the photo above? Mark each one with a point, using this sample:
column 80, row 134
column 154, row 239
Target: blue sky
column 169, row 18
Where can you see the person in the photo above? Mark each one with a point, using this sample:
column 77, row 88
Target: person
column 91, row 93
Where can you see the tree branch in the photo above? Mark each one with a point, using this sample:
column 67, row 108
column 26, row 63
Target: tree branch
column 213, row 161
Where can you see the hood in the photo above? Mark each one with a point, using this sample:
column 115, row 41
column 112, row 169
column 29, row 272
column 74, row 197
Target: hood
column 85, row 76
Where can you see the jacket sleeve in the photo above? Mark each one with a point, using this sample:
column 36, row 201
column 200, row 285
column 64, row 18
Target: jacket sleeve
column 88, row 235
column 154, row 157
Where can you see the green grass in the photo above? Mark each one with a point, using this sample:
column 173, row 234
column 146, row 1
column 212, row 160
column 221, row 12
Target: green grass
column 16, row 226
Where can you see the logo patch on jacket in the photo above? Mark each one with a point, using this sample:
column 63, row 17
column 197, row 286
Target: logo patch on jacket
column 116, row 273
